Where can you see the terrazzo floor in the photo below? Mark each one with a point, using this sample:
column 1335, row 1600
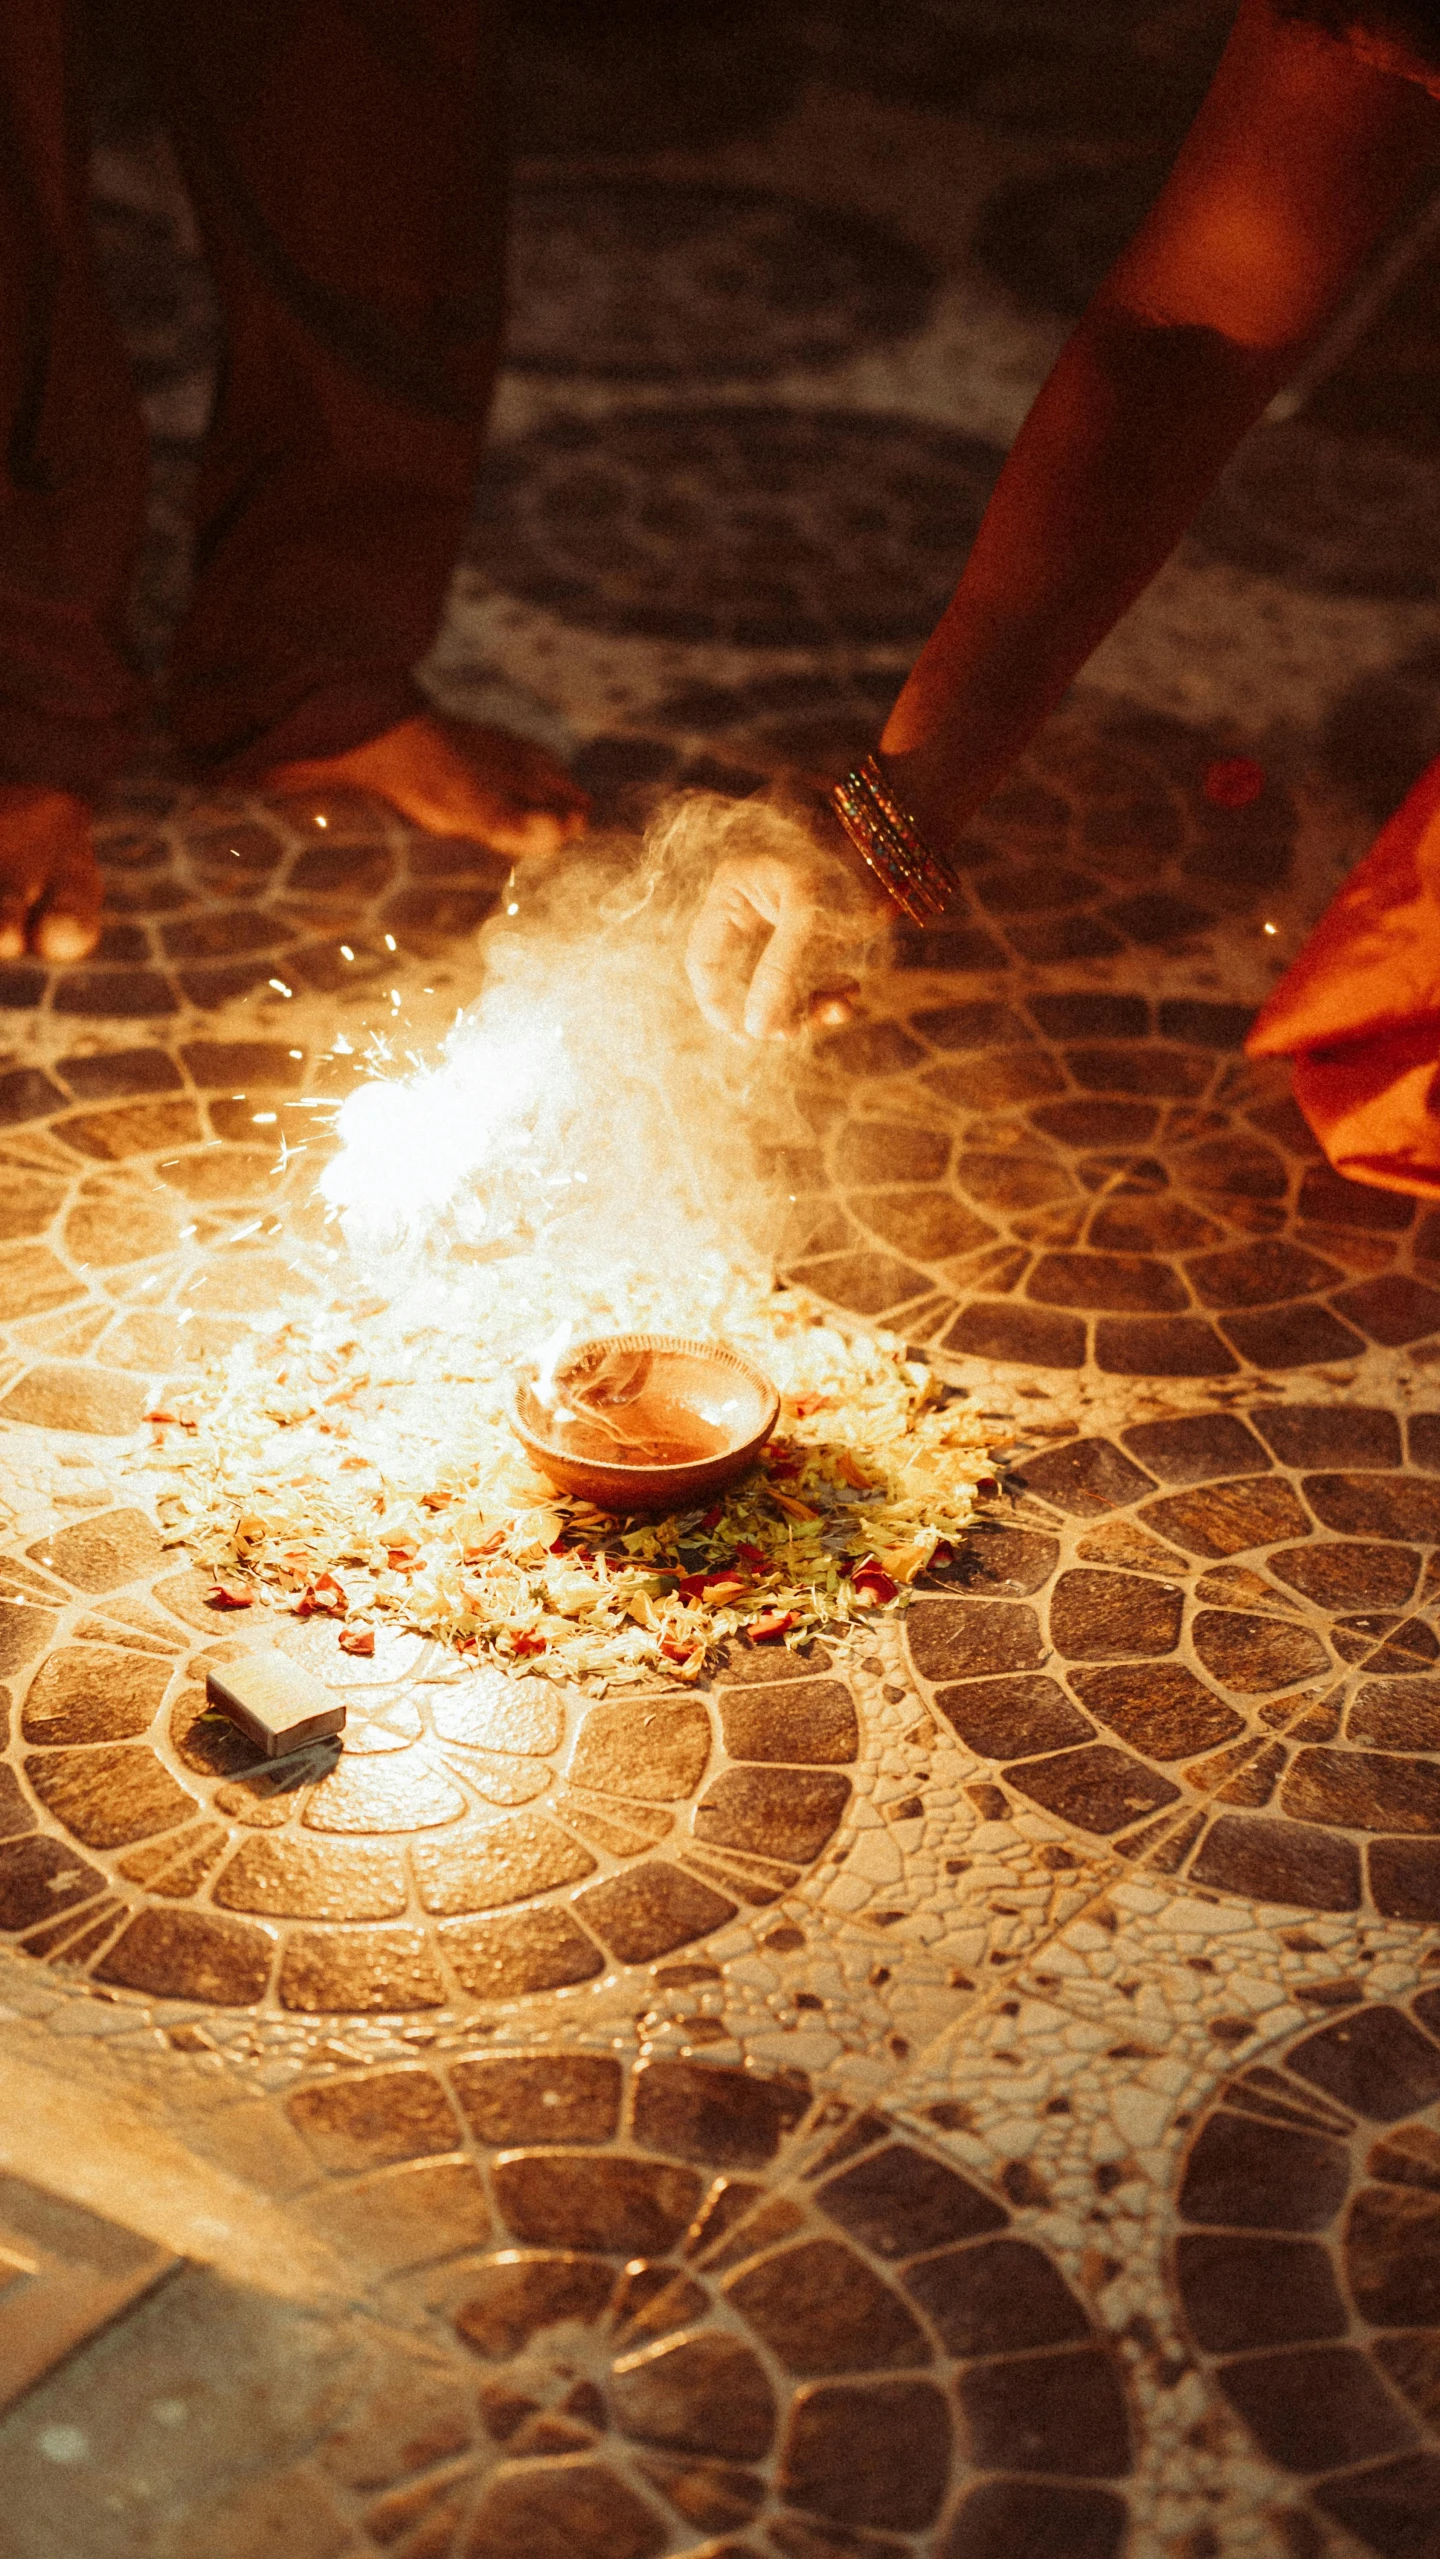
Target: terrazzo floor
column 974, row 2094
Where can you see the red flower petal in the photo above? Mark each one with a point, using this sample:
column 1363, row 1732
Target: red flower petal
column 870, row 1577
column 775, row 1622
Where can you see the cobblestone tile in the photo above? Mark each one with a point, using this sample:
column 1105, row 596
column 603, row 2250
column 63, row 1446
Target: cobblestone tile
column 533, row 2000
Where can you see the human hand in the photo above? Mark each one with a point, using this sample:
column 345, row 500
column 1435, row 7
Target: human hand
column 777, row 939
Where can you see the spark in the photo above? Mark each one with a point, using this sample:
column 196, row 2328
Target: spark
column 264, row 1119
column 389, row 941
column 280, row 986
column 1272, row 928
column 345, row 951
column 321, row 821
column 296, row 1052
column 410, row 1143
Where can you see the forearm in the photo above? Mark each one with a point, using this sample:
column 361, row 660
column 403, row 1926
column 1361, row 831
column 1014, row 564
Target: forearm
column 1298, row 160
column 1132, row 428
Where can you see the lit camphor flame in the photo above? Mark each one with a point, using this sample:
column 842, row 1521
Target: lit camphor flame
column 547, row 1361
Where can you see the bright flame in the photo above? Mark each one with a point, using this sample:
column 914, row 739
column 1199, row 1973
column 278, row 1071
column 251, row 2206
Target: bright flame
column 587, row 1143
column 548, row 1358
column 412, row 1144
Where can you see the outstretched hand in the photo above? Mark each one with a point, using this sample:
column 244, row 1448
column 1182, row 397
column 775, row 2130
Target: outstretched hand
column 776, row 941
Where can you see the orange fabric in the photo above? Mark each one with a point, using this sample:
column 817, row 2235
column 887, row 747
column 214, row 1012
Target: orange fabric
column 1359, row 1010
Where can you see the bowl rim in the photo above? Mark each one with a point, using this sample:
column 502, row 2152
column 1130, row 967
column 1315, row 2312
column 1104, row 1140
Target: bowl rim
column 722, row 1352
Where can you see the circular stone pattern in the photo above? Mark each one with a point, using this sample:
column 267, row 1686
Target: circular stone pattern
column 732, row 737
column 1308, row 2264
column 705, row 2315
column 1209, row 1642
column 633, row 278
column 1327, row 513
column 470, row 1837
column 760, row 527
column 1027, row 1185
column 1105, row 839
column 635, row 77
column 1104, row 843
column 1384, row 728
column 1115, row 72
column 1098, row 1178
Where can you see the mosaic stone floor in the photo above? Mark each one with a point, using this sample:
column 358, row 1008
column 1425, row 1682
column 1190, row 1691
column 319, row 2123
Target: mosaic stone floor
column 974, row 2093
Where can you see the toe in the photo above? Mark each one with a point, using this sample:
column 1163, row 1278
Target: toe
column 454, row 778
column 67, row 924
column 510, row 790
column 20, row 886
column 62, row 936
column 50, row 888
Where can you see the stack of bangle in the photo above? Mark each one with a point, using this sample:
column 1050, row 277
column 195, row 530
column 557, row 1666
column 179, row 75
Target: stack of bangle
column 890, row 842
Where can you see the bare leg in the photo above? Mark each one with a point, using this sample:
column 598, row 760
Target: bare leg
column 50, row 887
column 346, row 160
column 72, row 494
column 454, row 779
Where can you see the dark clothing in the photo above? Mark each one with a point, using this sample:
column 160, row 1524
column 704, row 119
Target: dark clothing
column 346, row 163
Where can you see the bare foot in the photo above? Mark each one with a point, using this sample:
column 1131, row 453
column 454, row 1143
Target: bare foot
column 50, row 887
column 455, row 779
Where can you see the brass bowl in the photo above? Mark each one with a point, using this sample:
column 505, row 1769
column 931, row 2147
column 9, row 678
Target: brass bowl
column 644, row 1421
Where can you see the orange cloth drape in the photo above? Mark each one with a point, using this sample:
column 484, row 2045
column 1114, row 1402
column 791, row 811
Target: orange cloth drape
column 1359, row 1010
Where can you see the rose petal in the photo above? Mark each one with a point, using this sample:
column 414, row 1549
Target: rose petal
column 225, row 1595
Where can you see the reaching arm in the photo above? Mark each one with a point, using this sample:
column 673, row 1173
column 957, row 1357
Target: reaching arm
column 1299, row 159
column 1301, row 156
